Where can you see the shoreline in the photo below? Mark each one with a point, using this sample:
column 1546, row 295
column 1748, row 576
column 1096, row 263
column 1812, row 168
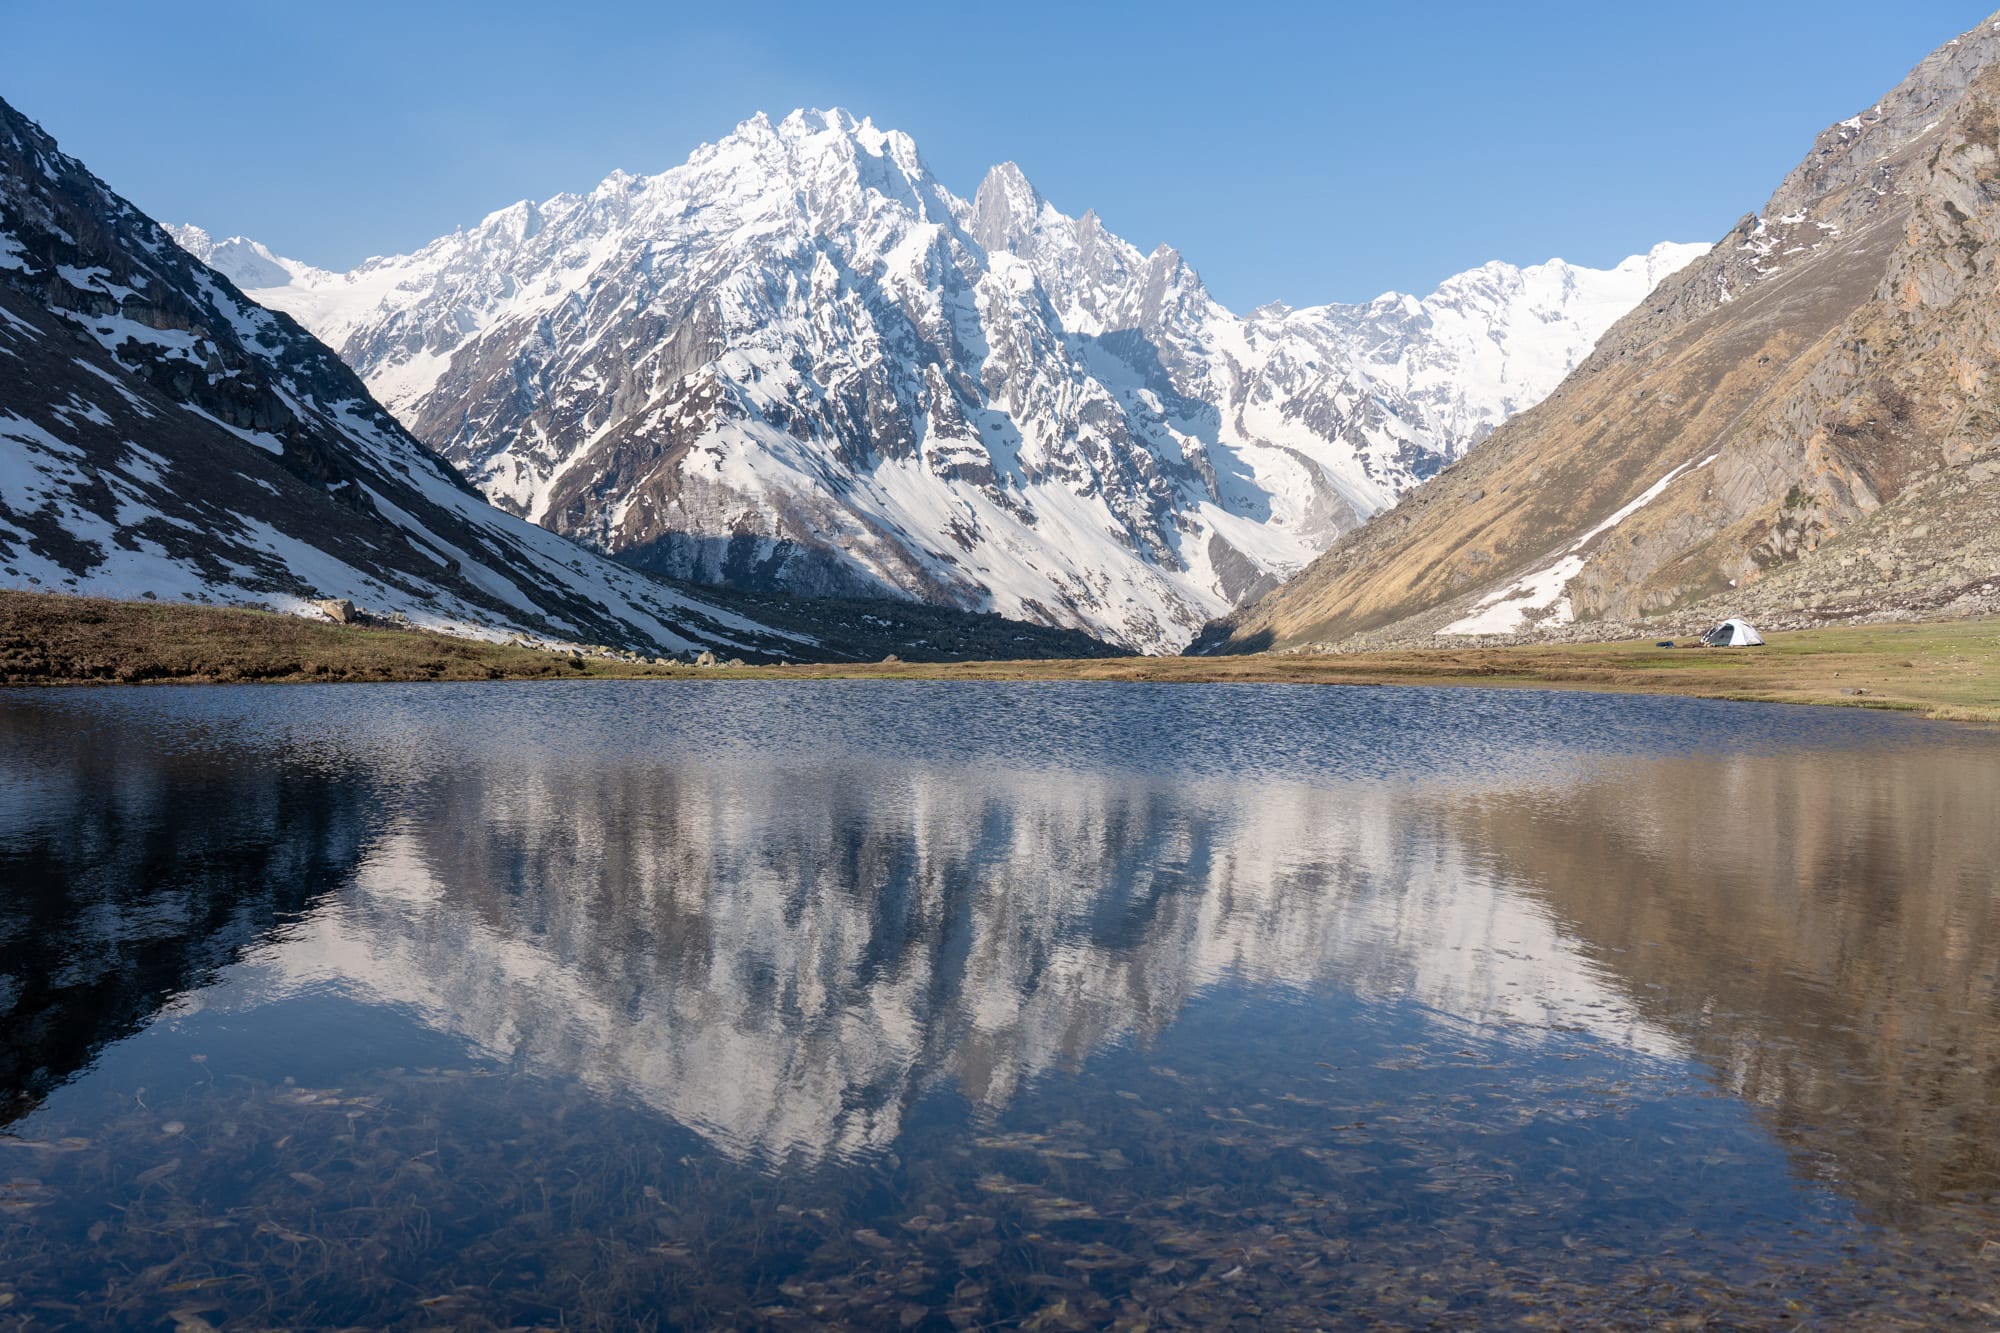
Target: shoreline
column 1946, row 670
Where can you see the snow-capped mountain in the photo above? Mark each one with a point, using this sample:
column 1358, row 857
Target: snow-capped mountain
column 162, row 437
column 799, row 361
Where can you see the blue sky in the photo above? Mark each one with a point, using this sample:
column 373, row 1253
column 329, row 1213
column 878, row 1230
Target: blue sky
column 1302, row 152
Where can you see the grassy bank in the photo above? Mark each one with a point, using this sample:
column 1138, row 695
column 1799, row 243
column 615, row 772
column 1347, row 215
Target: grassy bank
column 1946, row 670
column 50, row 639
column 1949, row 670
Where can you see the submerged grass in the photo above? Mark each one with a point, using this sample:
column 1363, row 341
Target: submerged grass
column 1417, row 1183
column 1944, row 670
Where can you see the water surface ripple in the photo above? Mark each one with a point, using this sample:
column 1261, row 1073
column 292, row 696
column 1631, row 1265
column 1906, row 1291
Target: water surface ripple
column 945, row 1006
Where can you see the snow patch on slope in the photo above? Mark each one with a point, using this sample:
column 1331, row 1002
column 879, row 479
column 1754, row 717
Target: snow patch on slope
column 1539, row 597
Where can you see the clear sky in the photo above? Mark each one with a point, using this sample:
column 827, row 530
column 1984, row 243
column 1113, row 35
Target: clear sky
column 1292, row 151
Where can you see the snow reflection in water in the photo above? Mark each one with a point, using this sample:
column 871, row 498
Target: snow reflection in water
column 952, row 1004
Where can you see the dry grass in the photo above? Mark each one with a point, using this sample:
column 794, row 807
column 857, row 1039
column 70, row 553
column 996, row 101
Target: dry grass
column 1945, row 670
column 50, row 639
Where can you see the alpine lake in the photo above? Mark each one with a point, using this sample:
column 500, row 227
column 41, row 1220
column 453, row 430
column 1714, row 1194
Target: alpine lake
column 699, row 1004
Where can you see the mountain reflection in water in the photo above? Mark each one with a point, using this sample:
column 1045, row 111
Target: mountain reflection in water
column 801, row 926
column 133, row 871
column 1823, row 930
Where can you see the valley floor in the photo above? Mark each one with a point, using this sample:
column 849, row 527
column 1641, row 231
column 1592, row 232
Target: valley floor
column 1945, row 670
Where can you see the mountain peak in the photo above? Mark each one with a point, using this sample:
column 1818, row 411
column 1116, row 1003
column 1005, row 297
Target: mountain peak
column 191, row 238
column 804, row 121
column 522, row 219
column 810, row 122
column 249, row 264
column 802, row 124
column 1008, row 178
column 812, row 138
column 1005, row 209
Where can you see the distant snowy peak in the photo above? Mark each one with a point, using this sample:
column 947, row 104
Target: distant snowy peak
column 247, row 263
column 1489, row 342
column 799, row 361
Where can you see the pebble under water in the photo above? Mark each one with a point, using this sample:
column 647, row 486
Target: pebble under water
column 955, row 1006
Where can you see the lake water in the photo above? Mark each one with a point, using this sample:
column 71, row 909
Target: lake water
column 950, row 1006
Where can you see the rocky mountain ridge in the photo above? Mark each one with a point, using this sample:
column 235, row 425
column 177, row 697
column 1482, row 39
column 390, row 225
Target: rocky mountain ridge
column 1802, row 425
column 799, row 362
column 266, row 472
column 163, row 437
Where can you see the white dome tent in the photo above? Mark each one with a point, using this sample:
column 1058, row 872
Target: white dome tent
column 1733, row 634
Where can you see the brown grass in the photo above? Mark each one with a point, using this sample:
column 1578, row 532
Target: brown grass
column 50, row 639
column 1945, row 670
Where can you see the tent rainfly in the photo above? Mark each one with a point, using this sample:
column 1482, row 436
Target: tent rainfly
column 1733, row 634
